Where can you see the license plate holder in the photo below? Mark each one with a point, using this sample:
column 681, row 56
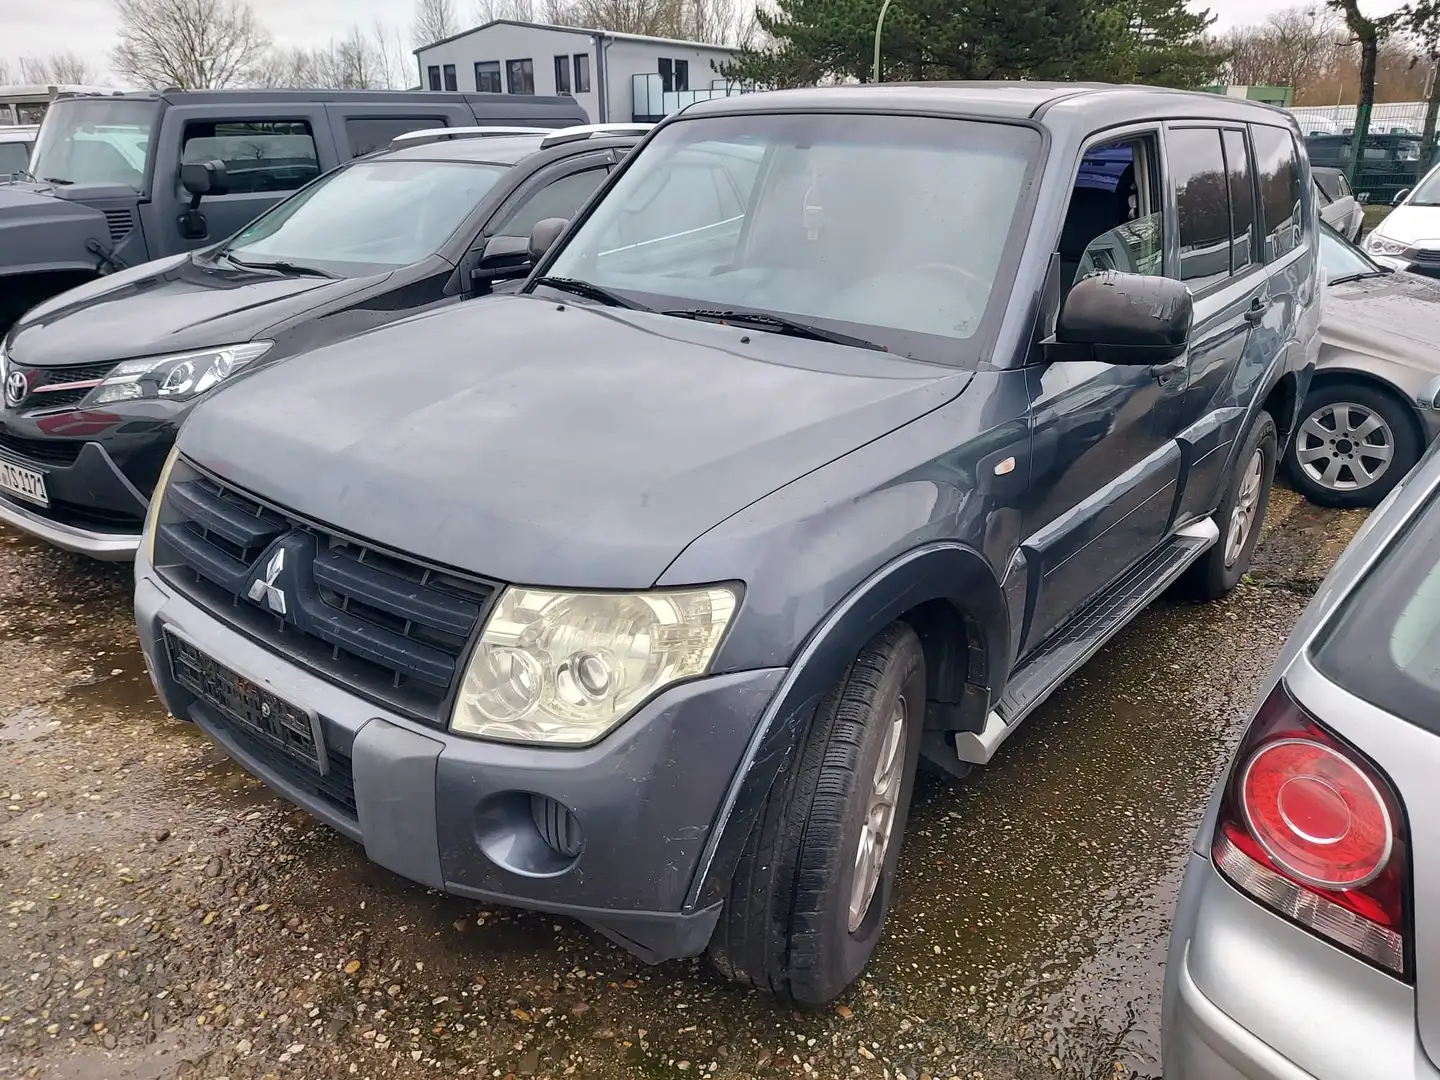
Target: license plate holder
column 248, row 707
column 23, row 483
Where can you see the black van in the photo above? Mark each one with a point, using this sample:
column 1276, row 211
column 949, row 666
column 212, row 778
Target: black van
column 104, row 190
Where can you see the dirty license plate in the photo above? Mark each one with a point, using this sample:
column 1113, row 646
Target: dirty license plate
column 26, row 483
column 242, row 705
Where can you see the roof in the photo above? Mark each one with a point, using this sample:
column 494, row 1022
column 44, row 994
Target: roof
column 515, row 103
column 577, row 30
column 1017, row 100
column 499, row 149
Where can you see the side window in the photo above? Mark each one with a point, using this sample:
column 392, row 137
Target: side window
column 450, row 83
column 366, row 134
column 1281, row 206
column 1197, row 171
column 259, row 155
column 521, row 76
column 1342, row 185
column 1114, row 220
column 562, row 197
column 435, row 77
column 487, row 77
column 1242, row 201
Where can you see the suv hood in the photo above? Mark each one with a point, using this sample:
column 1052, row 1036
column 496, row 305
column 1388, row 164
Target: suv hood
column 40, row 232
column 550, row 444
column 165, row 306
column 1410, row 224
column 1396, row 317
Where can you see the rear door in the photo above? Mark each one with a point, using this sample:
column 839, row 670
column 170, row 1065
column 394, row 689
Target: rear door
column 362, row 129
column 268, row 151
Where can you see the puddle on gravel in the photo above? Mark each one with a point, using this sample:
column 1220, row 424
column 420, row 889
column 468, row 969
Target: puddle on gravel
column 28, row 725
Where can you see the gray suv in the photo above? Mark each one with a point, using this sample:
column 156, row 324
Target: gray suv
column 828, row 437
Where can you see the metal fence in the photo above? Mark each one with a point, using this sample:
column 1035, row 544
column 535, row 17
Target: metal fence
column 1390, row 159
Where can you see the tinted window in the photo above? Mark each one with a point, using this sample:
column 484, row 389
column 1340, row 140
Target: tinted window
column 1197, row 170
column 560, row 198
column 14, row 156
column 582, row 73
column 1384, row 645
column 368, row 134
column 450, row 83
column 1278, row 169
column 1105, row 228
column 435, row 77
column 521, row 75
column 259, row 156
column 487, row 77
column 1242, row 201
column 682, row 74
column 562, row 74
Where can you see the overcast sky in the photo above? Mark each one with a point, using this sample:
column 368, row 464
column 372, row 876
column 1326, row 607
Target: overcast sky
column 87, row 27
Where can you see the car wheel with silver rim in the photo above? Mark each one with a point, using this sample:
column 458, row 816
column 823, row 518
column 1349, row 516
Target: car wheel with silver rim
column 1354, row 443
column 1241, row 514
column 810, row 895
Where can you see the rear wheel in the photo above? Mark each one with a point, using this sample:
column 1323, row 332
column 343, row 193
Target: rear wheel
column 809, row 897
column 1353, row 445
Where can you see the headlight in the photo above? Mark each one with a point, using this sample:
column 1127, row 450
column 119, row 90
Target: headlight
column 177, row 377
column 1376, row 244
column 565, row 668
column 152, row 514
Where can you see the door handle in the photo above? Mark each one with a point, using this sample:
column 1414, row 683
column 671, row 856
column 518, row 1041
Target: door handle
column 1257, row 309
column 1166, row 373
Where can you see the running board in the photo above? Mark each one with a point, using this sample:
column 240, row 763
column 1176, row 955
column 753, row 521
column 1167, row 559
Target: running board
column 1083, row 635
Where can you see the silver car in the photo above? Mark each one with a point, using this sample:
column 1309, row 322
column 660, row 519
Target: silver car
column 1306, row 943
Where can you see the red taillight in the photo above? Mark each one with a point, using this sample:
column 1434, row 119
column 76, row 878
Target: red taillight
column 1311, row 829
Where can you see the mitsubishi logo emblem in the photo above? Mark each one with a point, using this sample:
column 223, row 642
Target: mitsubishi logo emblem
column 264, row 590
column 16, row 387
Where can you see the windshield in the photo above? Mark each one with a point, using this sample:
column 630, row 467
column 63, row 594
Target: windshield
column 1341, row 260
column 1427, row 192
column 94, row 141
column 13, row 157
column 373, row 215
column 892, row 229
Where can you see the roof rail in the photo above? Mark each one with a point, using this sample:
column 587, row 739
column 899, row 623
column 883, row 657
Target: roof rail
column 430, row 135
column 560, row 136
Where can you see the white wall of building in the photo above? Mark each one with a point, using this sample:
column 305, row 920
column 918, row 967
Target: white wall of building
column 624, row 57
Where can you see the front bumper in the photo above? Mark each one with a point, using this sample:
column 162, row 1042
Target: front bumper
column 456, row 814
column 1251, row 996
column 105, row 546
column 94, row 508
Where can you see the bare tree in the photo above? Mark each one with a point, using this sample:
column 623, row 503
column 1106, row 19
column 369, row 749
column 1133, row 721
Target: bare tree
column 523, row 10
column 5, row 76
column 434, row 21
column 1295, row 47
column 193, row 44
column 60, row 67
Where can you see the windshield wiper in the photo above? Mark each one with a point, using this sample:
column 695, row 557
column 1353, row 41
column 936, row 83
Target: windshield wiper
column 297, row 269
column 590, row 292
column 775, row 324
column 56, row 180
column 1360, row 276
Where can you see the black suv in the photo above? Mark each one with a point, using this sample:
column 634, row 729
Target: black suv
column 98, row 380
column 835, row 432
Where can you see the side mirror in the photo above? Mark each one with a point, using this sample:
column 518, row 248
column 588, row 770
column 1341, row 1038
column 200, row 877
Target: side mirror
column 502, row 257
column 544, row 235
column 201, row 178
column 1120, row 318
column 1399, row 196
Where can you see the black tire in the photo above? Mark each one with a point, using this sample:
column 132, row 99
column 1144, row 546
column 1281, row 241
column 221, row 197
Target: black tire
column 1405, row 441
column 1213, row 576
column 785, row 924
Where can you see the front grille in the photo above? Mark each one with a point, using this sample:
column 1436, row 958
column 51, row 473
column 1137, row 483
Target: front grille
column 77, row 381
column 58, row 453
column 120, row 223
column 382, row 625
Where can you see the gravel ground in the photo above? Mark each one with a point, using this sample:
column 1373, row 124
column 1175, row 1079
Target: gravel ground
column 164, row 916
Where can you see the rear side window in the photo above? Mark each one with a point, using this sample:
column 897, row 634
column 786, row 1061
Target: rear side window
column 368, row 134
column 1281, row 208
column 259, row 155
column 1242, row 200
column 1384, row 643
column 1197, row 170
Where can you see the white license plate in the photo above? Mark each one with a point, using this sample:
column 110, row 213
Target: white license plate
column 27, row 483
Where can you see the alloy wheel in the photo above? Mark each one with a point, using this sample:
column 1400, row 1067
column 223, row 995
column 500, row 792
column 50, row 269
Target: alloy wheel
column 879, row 823
column 1242, row 517
column 1344, row 446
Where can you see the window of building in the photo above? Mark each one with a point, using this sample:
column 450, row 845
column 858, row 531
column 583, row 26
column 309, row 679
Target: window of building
column 1242, row 201
column 667, row 74
column 435, row 77
column 370, row 133
column 450, row 83
column 1281, row 206
column 582, row 73
column 562, row 74
column 561, row 198
column 1197, row 169
column 521, row 76
column 487, row 77
column 682, row 74
column 259, row 155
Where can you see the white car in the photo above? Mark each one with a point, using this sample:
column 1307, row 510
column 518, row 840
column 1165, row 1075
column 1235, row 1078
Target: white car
column 16, row 142
column 1409, row 237
column 1338, row 206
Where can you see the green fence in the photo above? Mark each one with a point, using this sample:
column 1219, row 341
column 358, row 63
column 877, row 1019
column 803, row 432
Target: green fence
column 1390, row 159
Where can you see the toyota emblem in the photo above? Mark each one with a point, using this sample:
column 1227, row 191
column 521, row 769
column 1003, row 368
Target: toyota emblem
column 16, row 387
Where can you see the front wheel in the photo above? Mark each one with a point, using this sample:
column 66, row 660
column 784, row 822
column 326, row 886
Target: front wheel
column 1353, row 445
column 1241, row 514
column 809, row 897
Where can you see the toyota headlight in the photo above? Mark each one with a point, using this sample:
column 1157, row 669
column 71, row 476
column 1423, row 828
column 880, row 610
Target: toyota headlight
column 564, row 668
column 177, row 377
column 1376, row 244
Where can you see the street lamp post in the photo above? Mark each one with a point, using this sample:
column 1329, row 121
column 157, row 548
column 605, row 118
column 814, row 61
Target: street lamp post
column 879, row 26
